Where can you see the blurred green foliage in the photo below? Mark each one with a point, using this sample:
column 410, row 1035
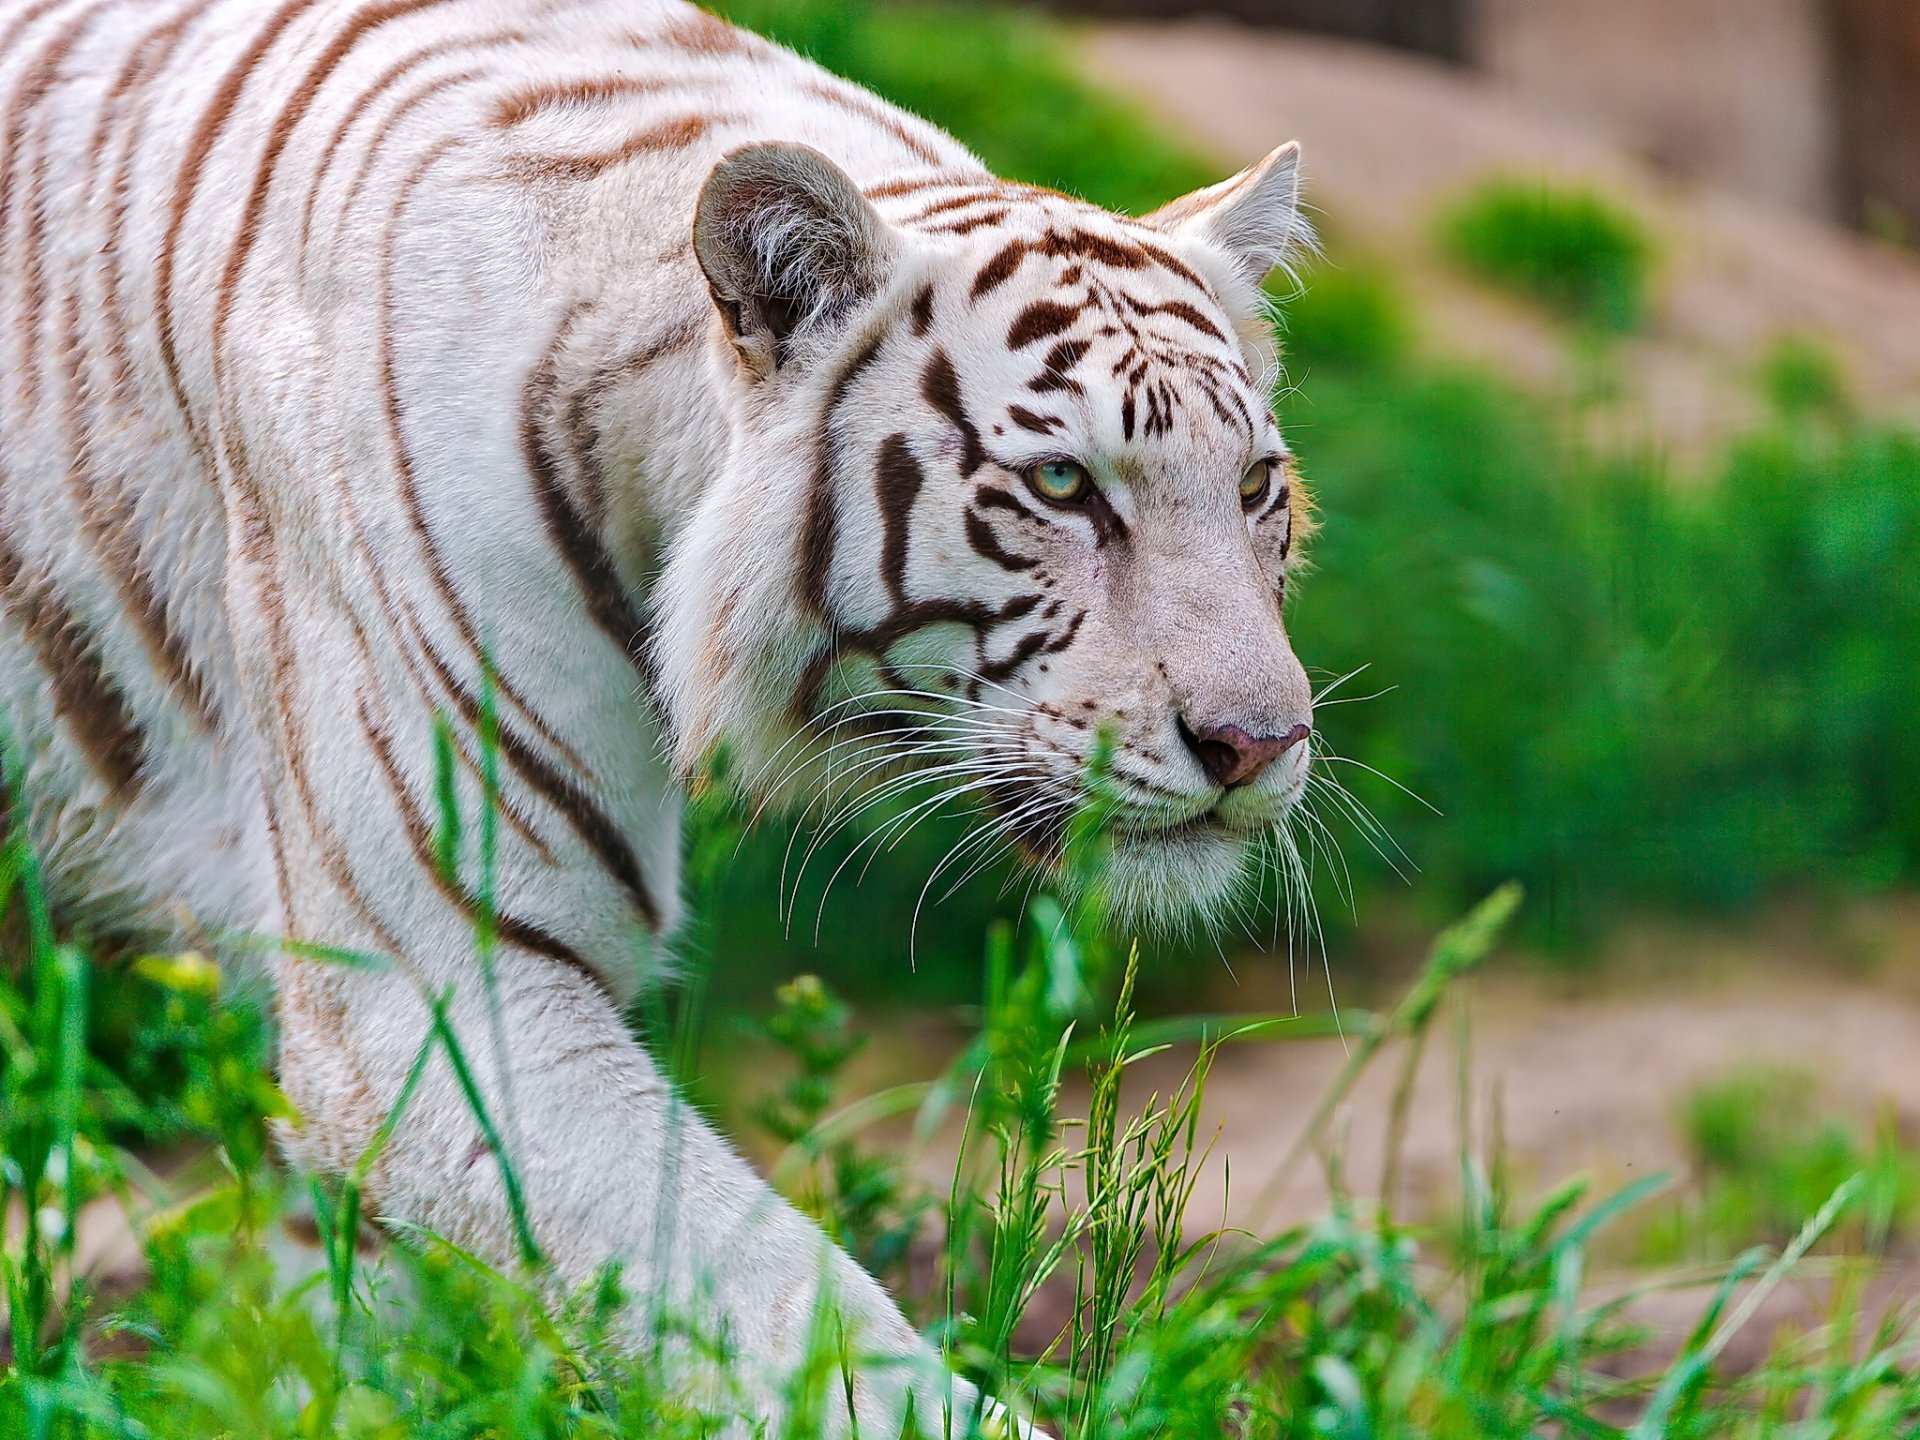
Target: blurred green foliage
column 1000, row 81
column 1625, row 686
column 1567, row 247
column 1765, row 1154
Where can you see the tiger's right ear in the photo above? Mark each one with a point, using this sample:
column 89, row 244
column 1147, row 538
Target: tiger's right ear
column 790, row 248
column 1253, row 218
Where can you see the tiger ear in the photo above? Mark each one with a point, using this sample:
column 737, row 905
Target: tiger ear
column 1253, row 217
column 790, row 248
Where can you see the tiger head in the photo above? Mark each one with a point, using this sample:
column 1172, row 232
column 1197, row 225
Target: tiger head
column 1006, row 492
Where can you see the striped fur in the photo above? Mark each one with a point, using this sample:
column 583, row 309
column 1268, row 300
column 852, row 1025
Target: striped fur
column 362, row 362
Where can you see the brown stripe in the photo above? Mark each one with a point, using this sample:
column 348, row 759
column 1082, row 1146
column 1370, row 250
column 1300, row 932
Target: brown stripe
column 1083, row 245
column 981, row 537
column 582, row 815
column 1055, row 367
column 457, row 612
column 989, row 497
column 1039, row 320
column 977, row 195
column 702, row 34
column 1066, row 636
column 40, row 77
column 213, row 120
column 112, row 529
column 921, row 314
column 819, row 528
column 998, row 270
column 106, row 513
column 675, row 134
column 1101, row 249
column 357, row 27
column 992, row 672
column 363, row 169
column 913, row 184
column 897, row 483
column 1167, row 260
column 84, row 694
column 409, row 638
column 971, row 223
column 520, row 933
column 523, row 105
column 257, row 547
column 594, row 574
column 148, row 60
column 26, row 17
column 858, row 102
column 1038, row 424
column 1181, row 310
column 411, row 646
column 579, row 418
column 940, row 388
column 385, row 81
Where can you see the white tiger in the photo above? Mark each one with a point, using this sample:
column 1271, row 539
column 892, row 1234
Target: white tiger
column 343, row 342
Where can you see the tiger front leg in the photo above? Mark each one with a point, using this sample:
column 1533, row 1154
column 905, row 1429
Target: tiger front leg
column 609, row 1166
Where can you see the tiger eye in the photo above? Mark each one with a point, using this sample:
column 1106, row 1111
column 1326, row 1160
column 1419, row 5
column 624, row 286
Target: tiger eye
column 1060, row 482
column 1255, row 483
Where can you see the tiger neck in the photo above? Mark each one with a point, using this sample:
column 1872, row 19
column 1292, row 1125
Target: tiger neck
column 629, row 423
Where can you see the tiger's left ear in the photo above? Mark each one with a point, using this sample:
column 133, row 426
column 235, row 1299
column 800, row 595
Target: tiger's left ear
column 789, row 246
column 1253, row 218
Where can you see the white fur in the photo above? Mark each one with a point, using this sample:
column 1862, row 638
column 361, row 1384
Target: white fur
column 329, row 420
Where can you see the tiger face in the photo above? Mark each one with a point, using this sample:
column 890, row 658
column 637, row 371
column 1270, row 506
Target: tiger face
column 1007, row 505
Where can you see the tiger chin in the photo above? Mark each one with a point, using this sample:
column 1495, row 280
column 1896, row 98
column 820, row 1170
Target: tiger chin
column 492, row 407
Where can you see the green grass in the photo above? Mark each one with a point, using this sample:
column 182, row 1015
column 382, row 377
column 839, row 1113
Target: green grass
column 1067, row 1269
column 1569, row 248
column 1763, row 1153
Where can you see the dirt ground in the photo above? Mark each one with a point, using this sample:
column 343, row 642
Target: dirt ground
column 1576, row 1075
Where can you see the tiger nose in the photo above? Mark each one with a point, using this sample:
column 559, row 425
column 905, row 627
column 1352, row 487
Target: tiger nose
column 1233, row 757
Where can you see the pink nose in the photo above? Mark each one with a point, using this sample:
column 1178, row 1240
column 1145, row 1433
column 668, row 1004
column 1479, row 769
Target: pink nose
column 1233, row 757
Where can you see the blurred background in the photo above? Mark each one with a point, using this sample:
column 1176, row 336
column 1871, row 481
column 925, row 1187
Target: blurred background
column 1608, row 384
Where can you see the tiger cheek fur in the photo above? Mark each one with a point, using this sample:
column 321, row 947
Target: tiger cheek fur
column 364, row 362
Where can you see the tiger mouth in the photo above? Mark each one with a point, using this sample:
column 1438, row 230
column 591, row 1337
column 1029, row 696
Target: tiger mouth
column 1209, row 823
column 1039, row 832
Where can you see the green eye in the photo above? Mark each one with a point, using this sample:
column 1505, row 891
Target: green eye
column 1061, row 482
column 1255, row 483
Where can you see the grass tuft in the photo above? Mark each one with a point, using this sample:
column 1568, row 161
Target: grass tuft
column 1569, row 248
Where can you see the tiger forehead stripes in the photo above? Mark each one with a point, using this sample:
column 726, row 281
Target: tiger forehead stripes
column 553, row 392
column 1150, row 375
